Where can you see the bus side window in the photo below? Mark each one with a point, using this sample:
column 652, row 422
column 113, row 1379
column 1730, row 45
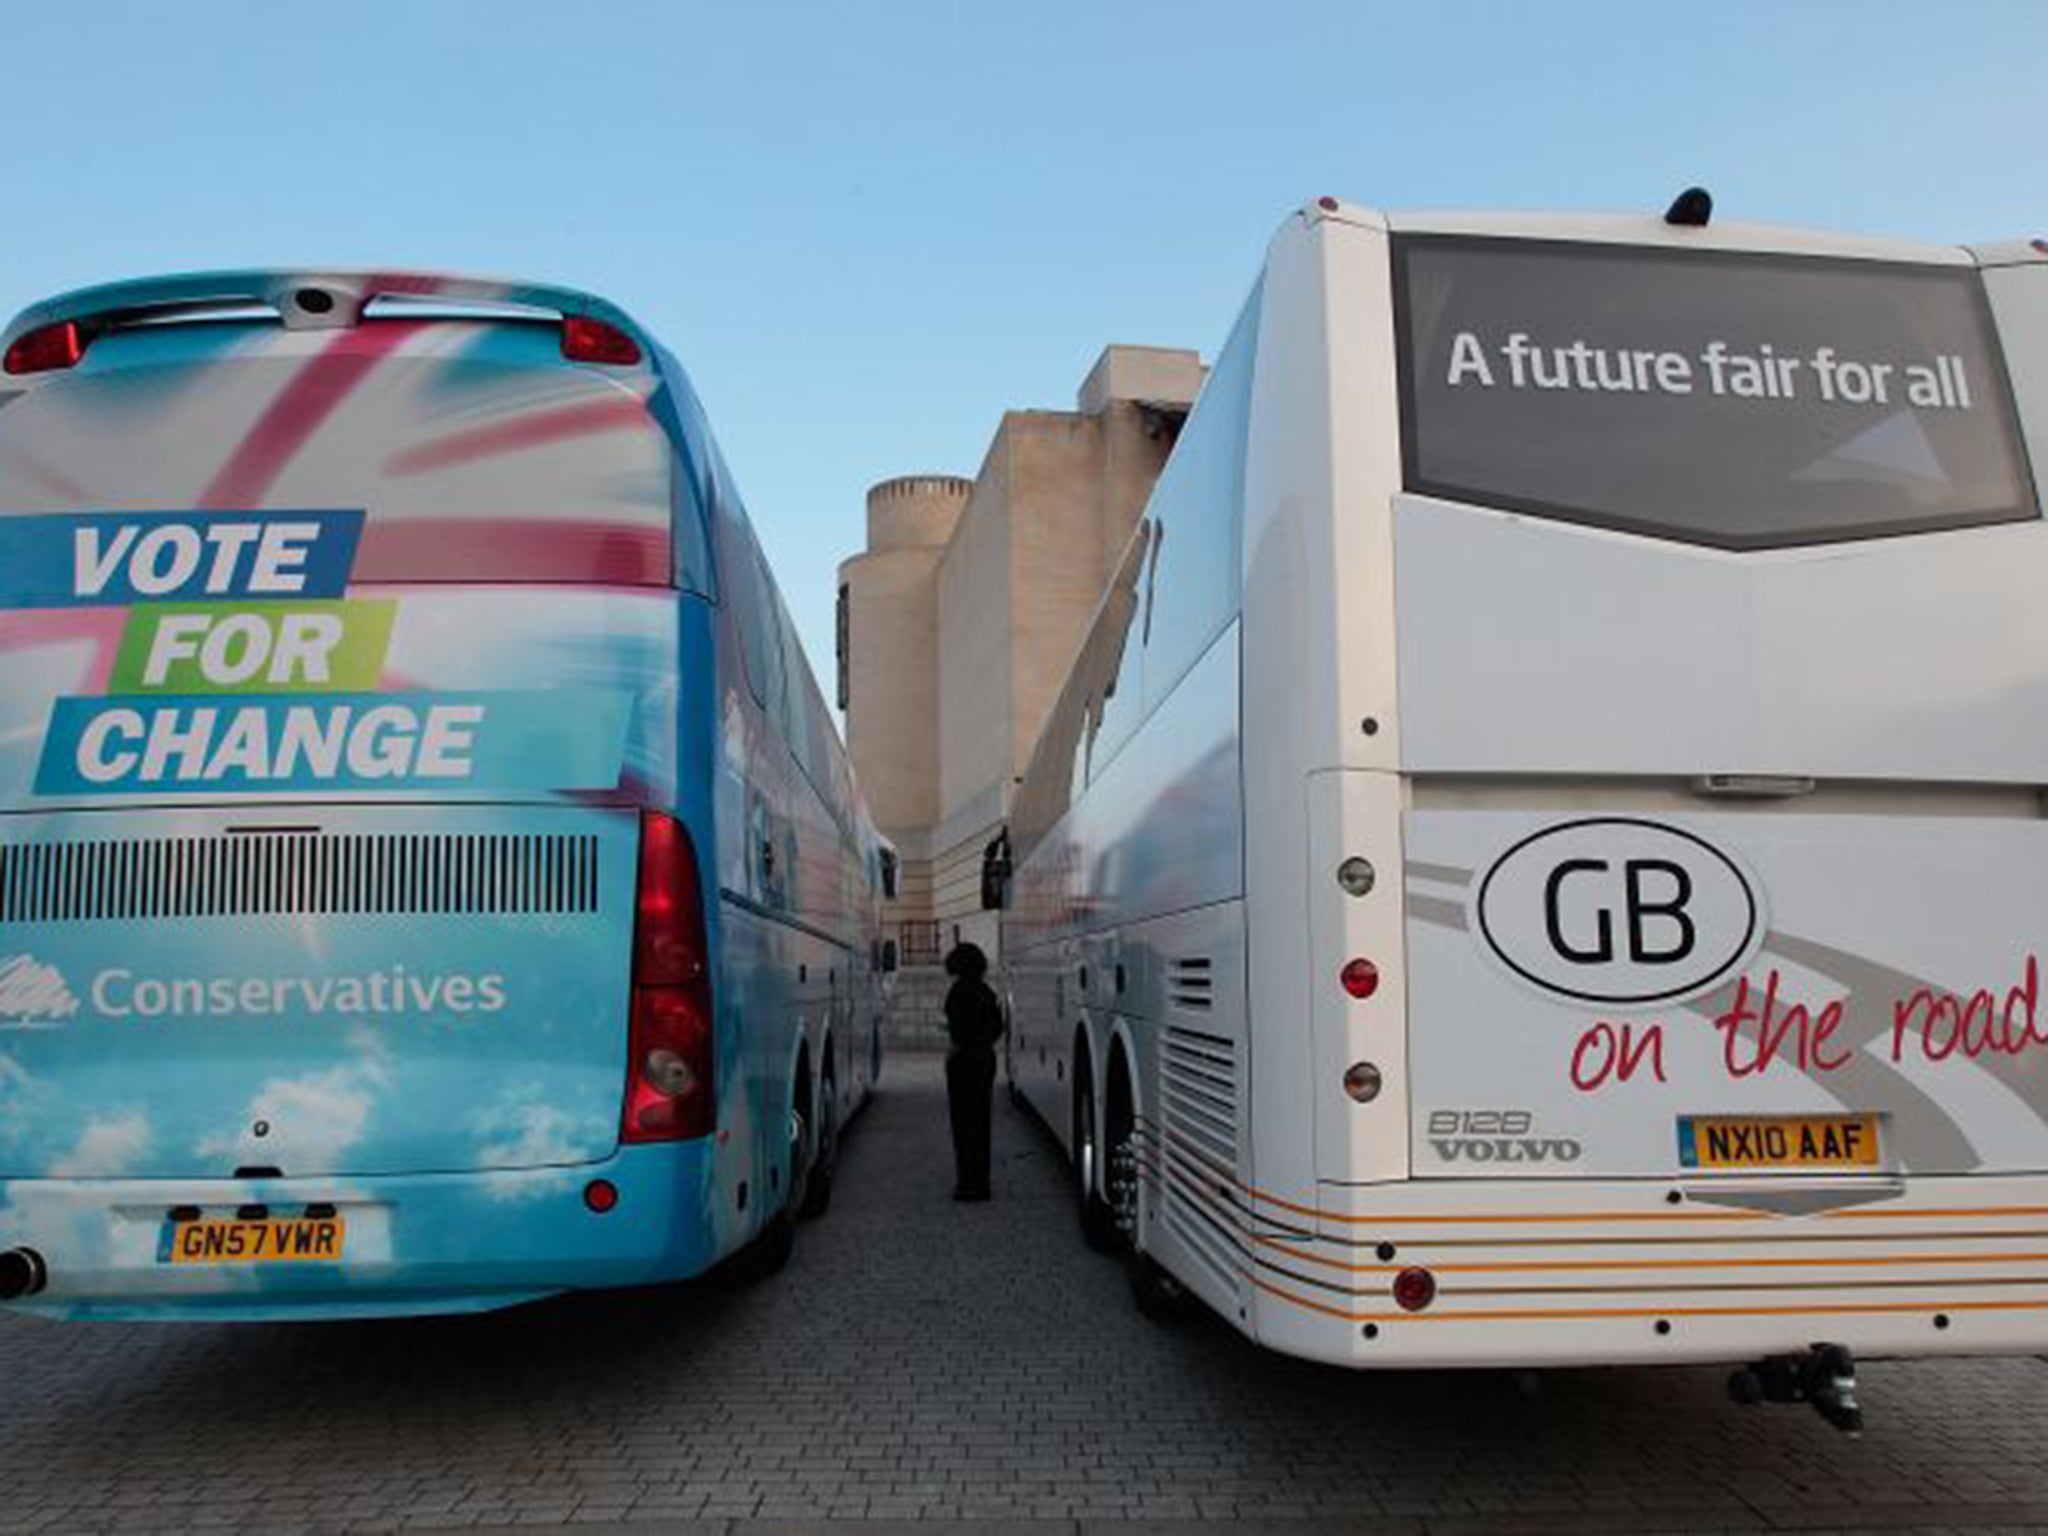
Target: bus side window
column 809, row 725
column 796, row 720
column 800, row 720
column 754, row 612
column 694, row 492
column 1055, row 775
column 1193, row 584
column 1117, row 650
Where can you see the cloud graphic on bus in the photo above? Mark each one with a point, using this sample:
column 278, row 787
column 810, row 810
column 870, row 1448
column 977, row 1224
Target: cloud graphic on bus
column 18, row 1100
column 107, row 1148
column 520, row 1131
column 318, row 1117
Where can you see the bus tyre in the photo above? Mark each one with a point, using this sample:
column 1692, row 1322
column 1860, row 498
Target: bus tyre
column 799, row 1163
column 818, row 1191
column 1158, row 1295
column 1098, row 1220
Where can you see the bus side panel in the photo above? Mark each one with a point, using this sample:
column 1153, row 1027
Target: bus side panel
column 1161, row 838
column 1040, row 1030
column 1287, row 480
column 792, row 893
column 1322, row 465
column 757, row 974
column 1160, row 831
column 1187, row 1030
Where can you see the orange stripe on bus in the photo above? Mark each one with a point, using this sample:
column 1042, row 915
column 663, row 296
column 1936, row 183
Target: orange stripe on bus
column 1638, row 1265
column 1566, row 1314
column 1238, row 1226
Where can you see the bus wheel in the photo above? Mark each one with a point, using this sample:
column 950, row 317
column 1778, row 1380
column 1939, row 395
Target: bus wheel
column 1098, row 1221
column 799, row 1162
column 818, row 1192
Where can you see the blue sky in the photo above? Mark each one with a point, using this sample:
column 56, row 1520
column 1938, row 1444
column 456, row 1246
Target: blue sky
column 869, row 229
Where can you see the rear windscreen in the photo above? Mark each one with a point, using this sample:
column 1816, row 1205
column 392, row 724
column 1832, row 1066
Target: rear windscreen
column 1738, row 400
column 472, row 451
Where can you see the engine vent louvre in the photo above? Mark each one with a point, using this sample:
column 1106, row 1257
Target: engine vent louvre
column 341, row 874
column 1199, row 1113
column 1190, row 983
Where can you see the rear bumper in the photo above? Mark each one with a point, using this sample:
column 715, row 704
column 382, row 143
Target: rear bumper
column 1548, row 1273
column 415, row 1244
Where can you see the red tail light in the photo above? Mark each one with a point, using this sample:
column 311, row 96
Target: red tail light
column 597, row 341
column 670, row 1095
column 46, row 350
column 1414, row 1289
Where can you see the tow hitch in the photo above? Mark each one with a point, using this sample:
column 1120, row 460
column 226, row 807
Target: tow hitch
column 1825, row 1378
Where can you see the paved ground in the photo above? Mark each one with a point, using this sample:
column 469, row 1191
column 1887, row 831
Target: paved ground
column 922, row 1360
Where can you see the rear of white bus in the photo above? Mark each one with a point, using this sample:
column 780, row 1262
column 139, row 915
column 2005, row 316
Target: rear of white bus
column 1678, row 893
column 352, row 952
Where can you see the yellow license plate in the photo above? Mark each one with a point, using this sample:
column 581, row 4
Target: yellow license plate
column 304, row 1241
column 1777, row 1141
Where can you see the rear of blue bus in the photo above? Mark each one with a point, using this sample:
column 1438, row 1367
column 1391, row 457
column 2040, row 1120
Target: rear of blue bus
column 353, row 957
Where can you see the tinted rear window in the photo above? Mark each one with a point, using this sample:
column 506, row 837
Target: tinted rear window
column 1720, row 398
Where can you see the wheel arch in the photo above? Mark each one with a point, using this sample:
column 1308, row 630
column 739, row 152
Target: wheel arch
column 1123, row 1068
column 1082, row 1069
column 803, row 1076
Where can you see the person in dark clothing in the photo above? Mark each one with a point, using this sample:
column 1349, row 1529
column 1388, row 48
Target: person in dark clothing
column 974, row 1021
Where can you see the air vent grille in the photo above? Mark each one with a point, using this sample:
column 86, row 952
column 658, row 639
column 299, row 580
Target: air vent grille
column 1191, row 983
column 342, row 874
column 1199, row 1097
column 1211, row 1248
column 1198, row 1106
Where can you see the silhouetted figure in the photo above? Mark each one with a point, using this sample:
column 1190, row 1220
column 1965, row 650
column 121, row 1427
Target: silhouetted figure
column 974, row 1021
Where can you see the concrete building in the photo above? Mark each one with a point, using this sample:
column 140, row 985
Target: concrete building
column 960, row 620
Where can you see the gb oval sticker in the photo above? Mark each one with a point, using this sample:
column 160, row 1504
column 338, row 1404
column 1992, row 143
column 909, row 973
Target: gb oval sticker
column 1618, row 911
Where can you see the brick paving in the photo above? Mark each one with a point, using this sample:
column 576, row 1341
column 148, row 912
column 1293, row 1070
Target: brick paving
column 939, row 1363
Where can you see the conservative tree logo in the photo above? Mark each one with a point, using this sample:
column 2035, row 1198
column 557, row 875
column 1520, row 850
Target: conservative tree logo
column 33, row 994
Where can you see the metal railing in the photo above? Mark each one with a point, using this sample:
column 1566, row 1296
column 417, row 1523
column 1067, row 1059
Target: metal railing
column 918, row 943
